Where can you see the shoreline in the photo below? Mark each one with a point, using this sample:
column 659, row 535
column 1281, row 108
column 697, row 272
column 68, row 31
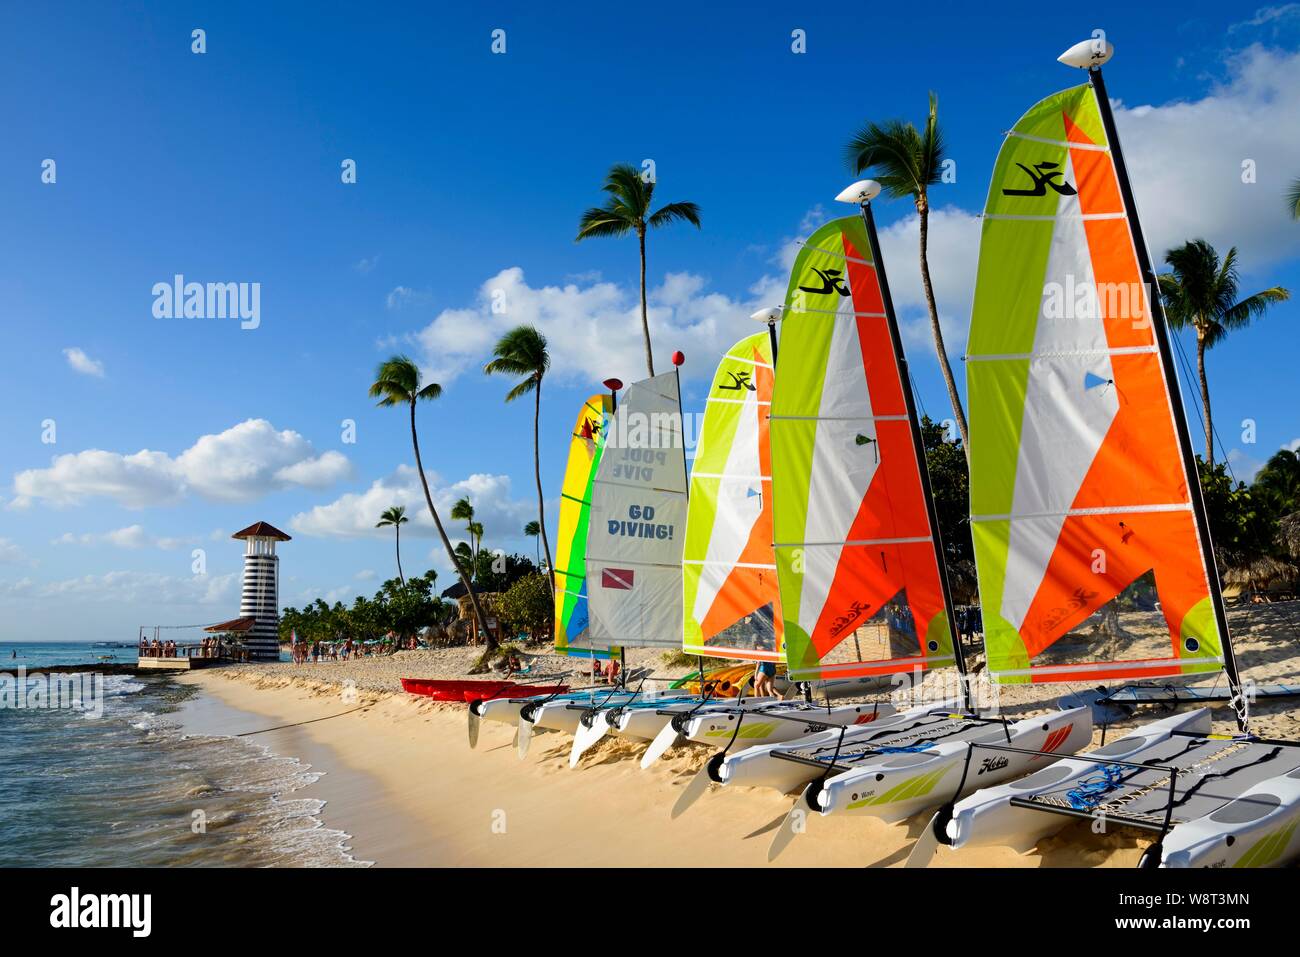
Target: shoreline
column 400, row 778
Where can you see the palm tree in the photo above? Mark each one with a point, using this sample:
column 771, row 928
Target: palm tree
column 522, row 352
column 532, row 530
column 463, row 511
column 396, row 517
column 628, row 210
column 907, row 162
column 397, row 381
column 1293, row 200
column 1201, row 293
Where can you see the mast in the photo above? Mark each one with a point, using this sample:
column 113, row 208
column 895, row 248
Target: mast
column 1161, row 332
column 918, row 441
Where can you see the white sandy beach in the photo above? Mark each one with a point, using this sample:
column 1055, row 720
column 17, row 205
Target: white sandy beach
column 401, row 778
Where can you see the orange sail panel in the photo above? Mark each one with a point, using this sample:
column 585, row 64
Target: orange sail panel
column 1077, row 482
column 855, row 553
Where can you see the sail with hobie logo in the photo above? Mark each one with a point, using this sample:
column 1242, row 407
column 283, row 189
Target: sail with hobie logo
column 730, row 600
column 1079, row 492
column 585, row 447
column 638, row 521
column 859, row 574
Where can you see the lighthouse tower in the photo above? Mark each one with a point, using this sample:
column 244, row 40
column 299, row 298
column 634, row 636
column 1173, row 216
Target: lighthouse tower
column 260, row 599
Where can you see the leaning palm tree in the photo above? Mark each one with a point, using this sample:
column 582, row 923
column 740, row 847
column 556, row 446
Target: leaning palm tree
column 397, row 382
column 628, row 210
column 522, row 352
column 1200, row 293
column 1293, row 200
column 532, row 530
column 463, row 511
column 907, row 162
column 396, row 517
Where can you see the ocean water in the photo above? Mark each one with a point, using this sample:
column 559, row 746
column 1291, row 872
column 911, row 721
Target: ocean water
column 129, row 788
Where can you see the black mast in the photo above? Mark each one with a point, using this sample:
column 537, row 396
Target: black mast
column 1160, row 328
column 918, row 446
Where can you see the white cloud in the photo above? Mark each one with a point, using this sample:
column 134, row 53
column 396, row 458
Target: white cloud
column 354, row 515
column 365, row 575
column 11, row 553
column 366, row 264
column 1186, row 160
column 124, row 587
column 241, row 464
column 683, row 315
column 398, row 296
column 132, row 536
column 82, row 363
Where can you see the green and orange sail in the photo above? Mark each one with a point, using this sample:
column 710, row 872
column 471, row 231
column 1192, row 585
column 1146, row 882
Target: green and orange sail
column 857, row 560
column 1078, row 487
column 731, row 604
column 585, row 448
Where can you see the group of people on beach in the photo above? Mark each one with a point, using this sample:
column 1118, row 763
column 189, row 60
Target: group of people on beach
column 317, row 651
column 208, row 648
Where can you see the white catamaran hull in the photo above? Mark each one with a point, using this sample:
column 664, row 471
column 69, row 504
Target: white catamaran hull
column 783, row 722
column 988, row 816
column 762, row 766
column 1261, row 828
column 560, row 715
column 896, row 786
column 506, row 710
column 645, row 723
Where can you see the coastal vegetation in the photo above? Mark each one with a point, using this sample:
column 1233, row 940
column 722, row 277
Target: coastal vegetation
column 396, row 518
column 397, row 382
column 1200, row 293
column 522, row 352
column 907, row 162
column 627, row 210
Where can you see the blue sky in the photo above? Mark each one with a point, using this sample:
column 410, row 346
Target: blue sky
column 472, row 169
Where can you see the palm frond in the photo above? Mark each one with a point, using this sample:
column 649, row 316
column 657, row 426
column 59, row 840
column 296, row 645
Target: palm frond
column 1293, row 200
column 600, row 222
column 523, row 388
column 462, row 511
column 396, row 380
column 889, row 152
column 532, row 529
column 676, row 212
column 626, row 183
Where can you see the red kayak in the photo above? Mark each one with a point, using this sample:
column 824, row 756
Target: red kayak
column 462, row 690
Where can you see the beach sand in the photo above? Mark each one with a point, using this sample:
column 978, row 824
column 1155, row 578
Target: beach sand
column 401, row 778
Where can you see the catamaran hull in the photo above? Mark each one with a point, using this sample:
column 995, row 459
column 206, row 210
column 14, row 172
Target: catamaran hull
column 506, row 710
column 718, row 727
column 761, row 765
column 1261, row 828
column 987, row 817
column 896, row 786
column 646, row 723
column 564, row 716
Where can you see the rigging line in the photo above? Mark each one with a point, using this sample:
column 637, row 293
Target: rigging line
column 296, row 724
column 1191, row 379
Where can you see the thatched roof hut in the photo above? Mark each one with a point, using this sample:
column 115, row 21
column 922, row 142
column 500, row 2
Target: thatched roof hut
column 1288, row 533
column 1262, row 574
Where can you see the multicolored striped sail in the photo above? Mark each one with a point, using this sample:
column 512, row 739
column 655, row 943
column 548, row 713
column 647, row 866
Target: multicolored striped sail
column 585, row 449
column 729, row 586
column 855, row 553
column 638, row 521
column 1078, row 487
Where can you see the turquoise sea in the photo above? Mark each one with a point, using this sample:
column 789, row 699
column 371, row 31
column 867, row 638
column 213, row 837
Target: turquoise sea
column 110, row 778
